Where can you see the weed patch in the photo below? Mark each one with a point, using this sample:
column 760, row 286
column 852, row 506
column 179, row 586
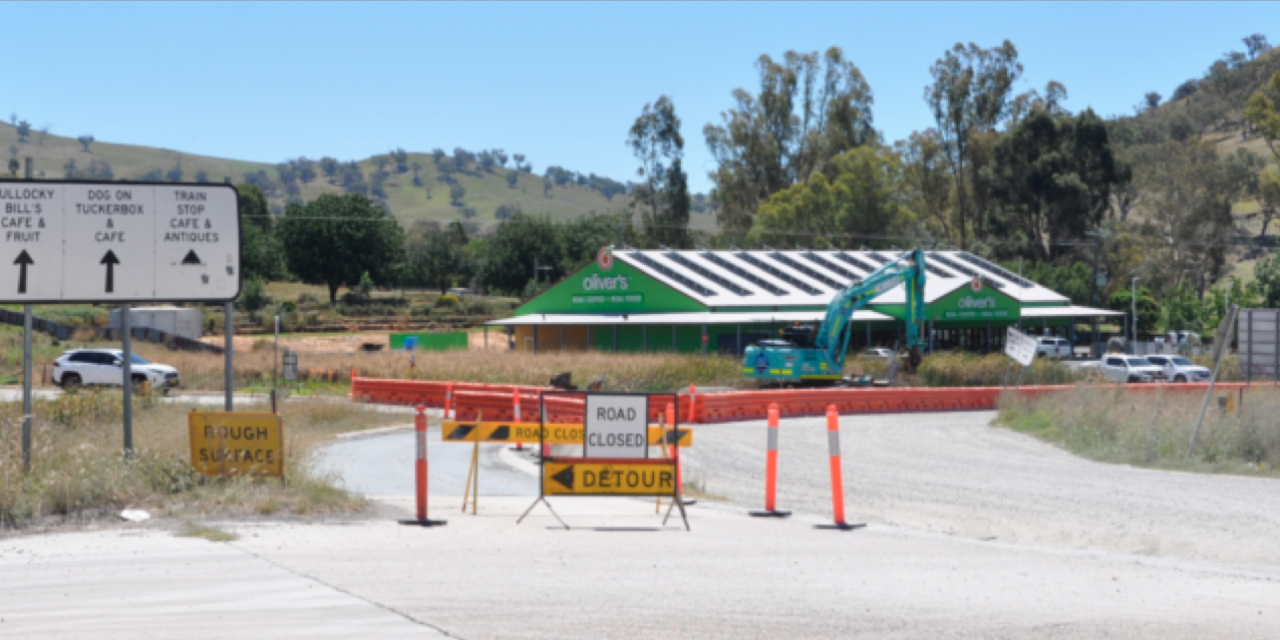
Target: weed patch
column 1153, row 428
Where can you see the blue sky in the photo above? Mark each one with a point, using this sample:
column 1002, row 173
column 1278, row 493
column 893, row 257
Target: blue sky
column 560, row 83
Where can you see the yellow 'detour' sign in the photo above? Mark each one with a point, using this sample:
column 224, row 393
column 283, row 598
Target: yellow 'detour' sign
column 460, row 431
column 599, row 477
column 225, row 443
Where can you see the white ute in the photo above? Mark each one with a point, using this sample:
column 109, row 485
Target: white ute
column 1121, row 368
column 106, row 367
column 1180, row 369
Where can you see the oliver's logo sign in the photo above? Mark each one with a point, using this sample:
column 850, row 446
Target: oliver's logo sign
column 976, row 284
column 604, row 259
column 594, row 282
column 970, row 302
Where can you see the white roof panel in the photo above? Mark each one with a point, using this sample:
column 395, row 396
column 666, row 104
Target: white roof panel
column 807, row 282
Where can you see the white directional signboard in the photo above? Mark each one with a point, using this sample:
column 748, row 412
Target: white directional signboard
column 118, row 242
column 1020, row 346
column 617, row 426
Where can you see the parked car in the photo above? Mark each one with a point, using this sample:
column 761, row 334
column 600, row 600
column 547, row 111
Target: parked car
column 877, row 354
column 1121, row 368
column 1180, row 369
column 106, row 367
column 1052, row 348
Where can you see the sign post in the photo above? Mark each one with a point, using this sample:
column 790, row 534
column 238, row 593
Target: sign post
column 126, row 366
column 115, row 243
column 26, row 387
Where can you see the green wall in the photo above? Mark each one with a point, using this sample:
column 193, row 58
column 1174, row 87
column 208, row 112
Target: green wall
column 621, row 289
column 431, row 341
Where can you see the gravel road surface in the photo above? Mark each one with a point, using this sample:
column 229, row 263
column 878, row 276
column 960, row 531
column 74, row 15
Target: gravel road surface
column 951, row 473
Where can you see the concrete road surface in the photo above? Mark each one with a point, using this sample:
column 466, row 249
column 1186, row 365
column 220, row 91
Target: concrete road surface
column 974, row 532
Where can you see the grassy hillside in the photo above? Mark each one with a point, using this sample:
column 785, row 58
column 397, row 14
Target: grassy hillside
column 486, row 191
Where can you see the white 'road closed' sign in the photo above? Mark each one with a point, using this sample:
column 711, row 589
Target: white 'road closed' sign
column 1020, row 346
column 118, row 242
column 617, row 426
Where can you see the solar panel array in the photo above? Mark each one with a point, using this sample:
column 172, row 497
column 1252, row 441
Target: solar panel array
column 807, row 276
column 820, row 277
column 857, row 262
column 831, row 266
column 744, row 274
column 670, row 273
column 706, row 273
column 966, row 270
column 775, row 272
column 995, row 268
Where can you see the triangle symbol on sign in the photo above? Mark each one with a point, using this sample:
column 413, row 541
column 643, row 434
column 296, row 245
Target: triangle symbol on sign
column 565, row 477
column 191, row 258
column 501, row 433
column 461, row 432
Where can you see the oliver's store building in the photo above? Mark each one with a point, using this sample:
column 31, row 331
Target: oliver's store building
column 722, row 301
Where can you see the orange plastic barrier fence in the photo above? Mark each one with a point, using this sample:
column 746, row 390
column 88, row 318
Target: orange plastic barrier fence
column 497, row 400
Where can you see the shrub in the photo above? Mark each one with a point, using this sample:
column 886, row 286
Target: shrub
column 448, row 301
column 253, row 296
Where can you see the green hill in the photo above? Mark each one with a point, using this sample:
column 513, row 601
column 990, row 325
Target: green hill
column 486, row 190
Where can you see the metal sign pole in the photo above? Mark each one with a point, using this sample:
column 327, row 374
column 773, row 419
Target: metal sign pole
column 229, row 381
column 275, row 360
column 26, row 388
column 127, row 365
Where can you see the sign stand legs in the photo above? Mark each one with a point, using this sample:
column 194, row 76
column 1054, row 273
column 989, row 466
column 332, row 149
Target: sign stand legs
column 127, row 364
column 542, row 496
column 473, row 474
column 26, row 388
column 229, row 333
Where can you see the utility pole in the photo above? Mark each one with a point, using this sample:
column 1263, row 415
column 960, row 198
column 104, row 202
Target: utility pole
column 1133, row 298
column 1093, row 286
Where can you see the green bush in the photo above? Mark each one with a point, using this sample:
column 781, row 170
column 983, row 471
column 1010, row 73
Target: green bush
column 448, row 301
column 253, row 296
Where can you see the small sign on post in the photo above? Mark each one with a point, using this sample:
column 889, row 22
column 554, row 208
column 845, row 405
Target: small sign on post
column 236, row 444
column 1020, row 346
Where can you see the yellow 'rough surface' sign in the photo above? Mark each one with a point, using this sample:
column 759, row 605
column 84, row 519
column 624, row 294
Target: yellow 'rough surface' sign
column 586, row 476
column 225, row 443
column 461, row 431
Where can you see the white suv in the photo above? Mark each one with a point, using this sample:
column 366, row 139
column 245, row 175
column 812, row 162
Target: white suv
column 1121, row 368
column 106, row 366
column 1052, row 348
column 1180, row 369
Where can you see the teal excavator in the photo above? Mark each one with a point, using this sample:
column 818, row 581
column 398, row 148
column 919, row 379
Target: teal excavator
column 806, row 356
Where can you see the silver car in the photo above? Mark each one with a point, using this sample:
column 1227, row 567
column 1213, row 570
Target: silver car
column 1121, row 368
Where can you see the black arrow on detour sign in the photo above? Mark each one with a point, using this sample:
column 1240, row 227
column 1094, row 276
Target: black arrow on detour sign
column 111, row 261
column 24, row 259
column 565, row 477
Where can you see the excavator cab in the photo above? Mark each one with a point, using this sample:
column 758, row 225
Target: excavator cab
column 800, row 335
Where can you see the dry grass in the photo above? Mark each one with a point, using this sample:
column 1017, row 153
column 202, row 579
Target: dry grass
column 963, row 369
column 1112, row 424
column 78, row 467
column 637, row 372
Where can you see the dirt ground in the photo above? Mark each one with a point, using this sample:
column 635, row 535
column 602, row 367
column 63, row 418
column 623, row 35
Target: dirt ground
column 349, row 342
